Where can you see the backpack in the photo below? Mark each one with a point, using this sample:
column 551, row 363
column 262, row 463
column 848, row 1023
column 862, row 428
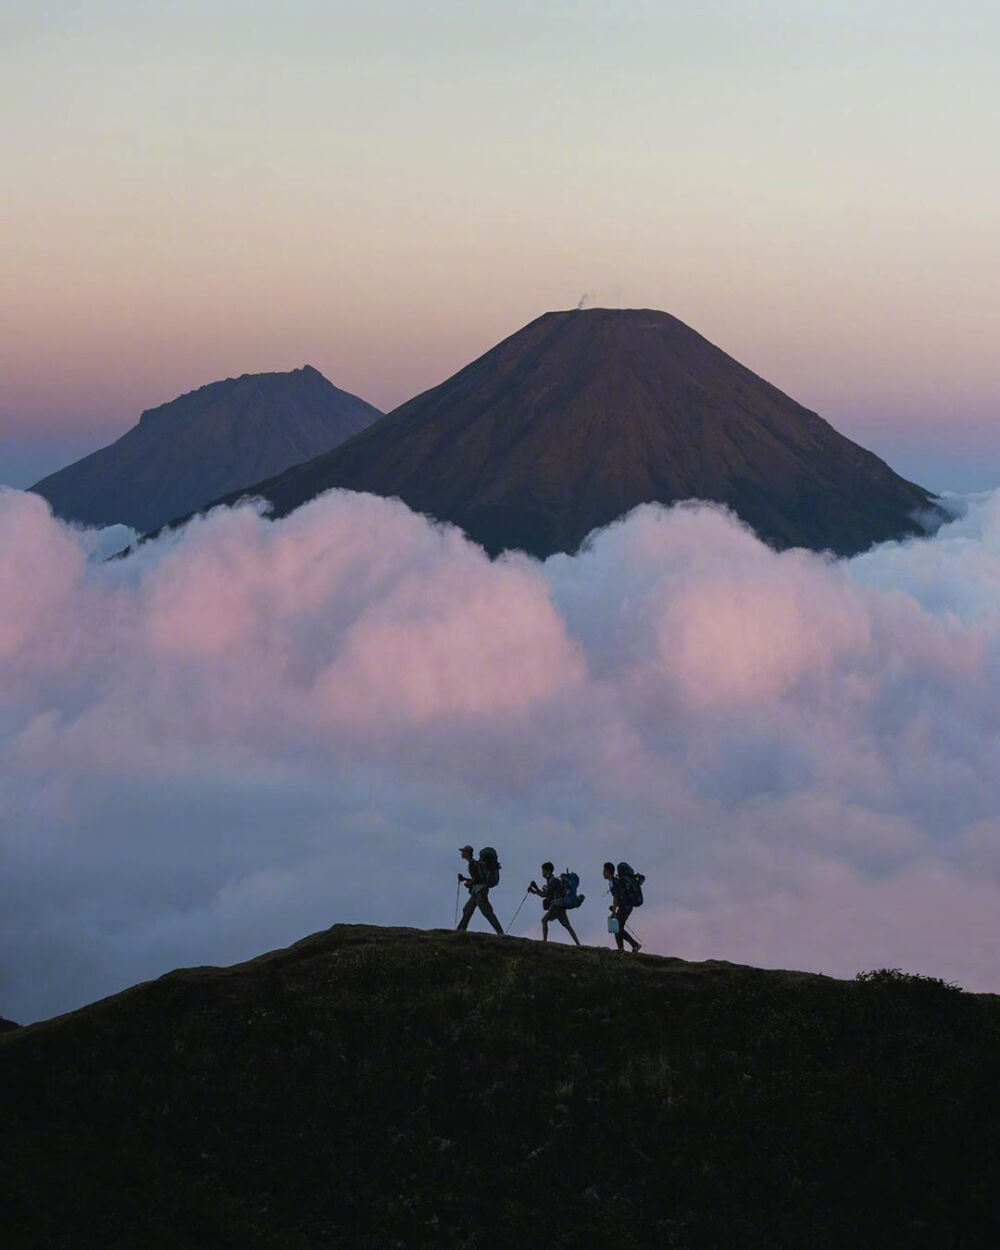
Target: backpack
column 489, row 867
column 631, row 882
column 570, row 883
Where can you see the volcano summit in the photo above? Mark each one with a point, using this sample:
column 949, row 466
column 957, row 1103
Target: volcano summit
column 580, row 416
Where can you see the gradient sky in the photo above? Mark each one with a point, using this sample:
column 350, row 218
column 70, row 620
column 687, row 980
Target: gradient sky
column 197, row 190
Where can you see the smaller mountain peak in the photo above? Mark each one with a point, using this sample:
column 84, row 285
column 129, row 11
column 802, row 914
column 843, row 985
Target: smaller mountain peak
column 206, row 443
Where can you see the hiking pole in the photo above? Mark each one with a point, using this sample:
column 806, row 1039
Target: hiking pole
column 628, row 929
column 458, row 890
column 514, row 917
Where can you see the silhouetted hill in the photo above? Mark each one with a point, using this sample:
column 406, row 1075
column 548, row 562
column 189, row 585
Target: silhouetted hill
column 208, row 442
column 581, row 416
column 374, row 1088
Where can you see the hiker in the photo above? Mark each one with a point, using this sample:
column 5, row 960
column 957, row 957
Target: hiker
column 556, row 897
column 483, row 873
column 624, row 886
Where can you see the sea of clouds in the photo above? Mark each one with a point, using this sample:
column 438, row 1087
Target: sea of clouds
column 249, row 730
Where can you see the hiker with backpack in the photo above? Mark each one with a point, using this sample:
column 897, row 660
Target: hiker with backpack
column 484, row 873
column 626, row 894
column 558, row 896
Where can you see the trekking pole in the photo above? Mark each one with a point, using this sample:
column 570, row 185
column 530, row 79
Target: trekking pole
column 458, row 890
column 514, row 917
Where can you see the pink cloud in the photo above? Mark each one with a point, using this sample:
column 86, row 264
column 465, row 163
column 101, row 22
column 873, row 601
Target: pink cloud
column 210, row 747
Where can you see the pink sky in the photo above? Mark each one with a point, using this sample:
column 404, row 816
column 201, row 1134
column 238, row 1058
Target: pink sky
column 386, row 194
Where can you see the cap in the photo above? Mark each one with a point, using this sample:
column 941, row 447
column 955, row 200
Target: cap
column 465, row 848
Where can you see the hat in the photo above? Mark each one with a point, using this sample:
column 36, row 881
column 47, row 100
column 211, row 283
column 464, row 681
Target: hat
column 465, row 848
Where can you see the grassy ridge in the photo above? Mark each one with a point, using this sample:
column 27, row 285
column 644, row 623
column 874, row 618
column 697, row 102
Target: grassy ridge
column 392, row 1088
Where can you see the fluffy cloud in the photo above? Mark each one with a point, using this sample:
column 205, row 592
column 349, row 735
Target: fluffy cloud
column 248, row 730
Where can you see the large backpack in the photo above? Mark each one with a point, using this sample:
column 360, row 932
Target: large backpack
column 489, row 866
column 570, row 883
column 631, row 882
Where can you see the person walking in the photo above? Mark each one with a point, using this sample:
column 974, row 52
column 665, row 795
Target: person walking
column 553, row 902
column 621, row 908
column 481, row 874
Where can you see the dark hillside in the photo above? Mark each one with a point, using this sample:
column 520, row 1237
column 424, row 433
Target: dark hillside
column 393, row 1088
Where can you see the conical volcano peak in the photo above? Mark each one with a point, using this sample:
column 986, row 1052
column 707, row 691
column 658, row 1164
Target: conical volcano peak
column 584, row 414
column 617, row 322
column 621, row 321
column 624, row 316
column 639, row 372
column 657, row 340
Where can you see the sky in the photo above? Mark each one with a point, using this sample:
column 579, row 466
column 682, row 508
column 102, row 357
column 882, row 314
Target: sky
column 250, row 730
column 195, row 191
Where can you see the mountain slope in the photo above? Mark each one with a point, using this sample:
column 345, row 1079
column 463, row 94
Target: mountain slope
column 208, row 442
column 581, row 416
column 384, row 1087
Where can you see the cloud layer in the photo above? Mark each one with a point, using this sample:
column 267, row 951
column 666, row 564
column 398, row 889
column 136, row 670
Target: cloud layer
column 249, row 730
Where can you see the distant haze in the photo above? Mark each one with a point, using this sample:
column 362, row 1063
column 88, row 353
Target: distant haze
column 387, row 192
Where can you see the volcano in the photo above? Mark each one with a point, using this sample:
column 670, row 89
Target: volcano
column 580, row 416
column 219, row 438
